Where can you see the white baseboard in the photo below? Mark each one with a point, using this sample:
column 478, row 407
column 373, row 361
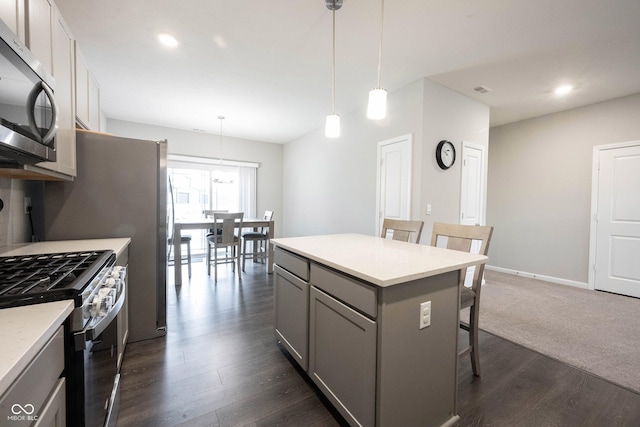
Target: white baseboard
column 551, row 279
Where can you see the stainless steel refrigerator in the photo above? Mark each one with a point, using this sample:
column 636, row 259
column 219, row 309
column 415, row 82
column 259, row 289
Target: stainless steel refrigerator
column 120, row 191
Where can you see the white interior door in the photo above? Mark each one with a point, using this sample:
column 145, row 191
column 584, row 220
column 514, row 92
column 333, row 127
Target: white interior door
column 394, row 180
column 472, row 194
column 617, row 242
column 472, row 185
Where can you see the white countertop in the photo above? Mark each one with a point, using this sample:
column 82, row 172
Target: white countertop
column 23, row 333
column 382, row 262
column 24, row 330
column 117, row 245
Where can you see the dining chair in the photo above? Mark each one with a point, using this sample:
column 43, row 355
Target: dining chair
column 259, row 240
column 461, row 238
column 208, row 213
column 184, row 240
column 226, row 234
column 403, row 230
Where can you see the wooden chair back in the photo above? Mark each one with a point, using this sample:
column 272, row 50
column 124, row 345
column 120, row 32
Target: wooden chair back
column 403, row 230
column 460, row 238
column 228, row 227
column 208, row 213
column 268, row 215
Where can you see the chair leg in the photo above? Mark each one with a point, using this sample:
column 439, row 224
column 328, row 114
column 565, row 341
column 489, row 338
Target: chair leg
column 189, row 258
column 473, row 340
column 215, row 264
column 208, row 258
column 244, row 253
column 237, row 249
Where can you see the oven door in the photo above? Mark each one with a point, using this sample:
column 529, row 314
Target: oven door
column 100, row 361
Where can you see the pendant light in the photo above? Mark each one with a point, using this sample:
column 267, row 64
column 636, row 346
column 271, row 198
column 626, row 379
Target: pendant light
column 332, row 127
column 221, row 118
column 377, row 108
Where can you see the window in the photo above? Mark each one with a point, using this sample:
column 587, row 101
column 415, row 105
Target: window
column 205, row 184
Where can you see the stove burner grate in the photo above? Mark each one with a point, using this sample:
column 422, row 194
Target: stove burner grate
column 47, row 276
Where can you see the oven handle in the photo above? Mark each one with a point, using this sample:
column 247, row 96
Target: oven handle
column 94, row 332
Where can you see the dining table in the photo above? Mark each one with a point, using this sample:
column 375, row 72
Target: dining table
column 209, row 223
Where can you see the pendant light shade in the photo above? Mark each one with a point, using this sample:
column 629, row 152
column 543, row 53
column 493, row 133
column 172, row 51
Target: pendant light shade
column 377, row 107
column 332, row 126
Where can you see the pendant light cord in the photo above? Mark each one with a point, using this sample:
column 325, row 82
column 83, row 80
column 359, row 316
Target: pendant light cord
column 380, row 47
column 221, row 118
column 333, row 80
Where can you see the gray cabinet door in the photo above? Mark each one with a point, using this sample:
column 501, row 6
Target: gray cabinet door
column 292, row 314
column 342, row 357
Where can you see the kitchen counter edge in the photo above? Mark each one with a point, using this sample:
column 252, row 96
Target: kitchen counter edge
column 23, row 333
column 118, row 245
column 381, row 262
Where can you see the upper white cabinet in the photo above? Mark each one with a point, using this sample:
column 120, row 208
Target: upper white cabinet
column 12, row 14
column 40, row 25
column 87, row 95
column 63, row 60
column 94, row 103
column 39, row 34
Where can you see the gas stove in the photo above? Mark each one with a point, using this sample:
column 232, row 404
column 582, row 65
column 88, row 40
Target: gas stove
column 32, row 279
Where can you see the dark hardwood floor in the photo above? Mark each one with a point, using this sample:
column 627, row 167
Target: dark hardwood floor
column 220, row 365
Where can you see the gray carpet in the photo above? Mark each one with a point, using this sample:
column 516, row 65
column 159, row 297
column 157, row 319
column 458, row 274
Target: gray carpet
column 591, row 330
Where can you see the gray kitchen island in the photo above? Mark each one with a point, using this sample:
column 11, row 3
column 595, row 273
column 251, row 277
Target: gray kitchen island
column 374, row 323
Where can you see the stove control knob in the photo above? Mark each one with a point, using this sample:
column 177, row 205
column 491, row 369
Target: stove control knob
column 94, row 308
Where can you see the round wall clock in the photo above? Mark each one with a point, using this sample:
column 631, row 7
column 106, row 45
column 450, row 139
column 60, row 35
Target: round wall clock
column 445, row 154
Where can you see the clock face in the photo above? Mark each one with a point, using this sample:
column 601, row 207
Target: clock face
column 445, row 154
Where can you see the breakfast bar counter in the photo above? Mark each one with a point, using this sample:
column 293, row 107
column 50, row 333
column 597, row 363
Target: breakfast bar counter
column 374, row 323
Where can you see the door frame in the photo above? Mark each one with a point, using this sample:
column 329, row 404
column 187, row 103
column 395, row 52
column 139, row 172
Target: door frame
column 409, row 138
column 593, row 232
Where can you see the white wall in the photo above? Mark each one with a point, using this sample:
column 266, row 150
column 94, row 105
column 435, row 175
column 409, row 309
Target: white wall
column 330, row 185
column 539, row 186
column 268, row 155
column 457, row 118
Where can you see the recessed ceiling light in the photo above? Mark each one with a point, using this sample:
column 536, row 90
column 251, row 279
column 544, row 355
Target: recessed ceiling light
column 167, row 40
column 220, row 41
column 563, row 90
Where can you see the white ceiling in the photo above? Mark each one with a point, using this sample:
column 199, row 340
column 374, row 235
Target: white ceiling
column 266, row 66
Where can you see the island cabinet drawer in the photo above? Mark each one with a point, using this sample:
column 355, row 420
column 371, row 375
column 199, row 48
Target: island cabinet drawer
column 292, row 263
column 27, row 397
column 355, row 293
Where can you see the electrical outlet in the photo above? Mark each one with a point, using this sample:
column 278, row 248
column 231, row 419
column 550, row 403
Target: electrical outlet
column 27, row 204
column 425, row 314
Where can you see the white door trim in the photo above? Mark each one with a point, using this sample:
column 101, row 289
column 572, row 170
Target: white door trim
column 409, row 138
column 595, row 172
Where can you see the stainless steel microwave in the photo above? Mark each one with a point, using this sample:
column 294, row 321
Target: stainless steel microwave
column 28, row 112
